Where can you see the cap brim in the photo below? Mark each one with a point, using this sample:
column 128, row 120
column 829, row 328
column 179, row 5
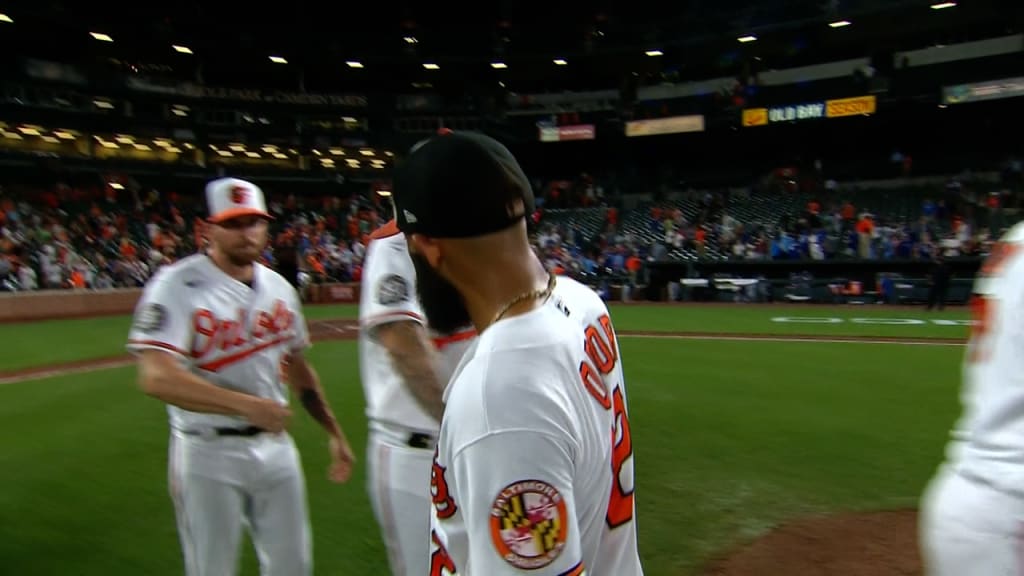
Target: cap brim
column 238, row 213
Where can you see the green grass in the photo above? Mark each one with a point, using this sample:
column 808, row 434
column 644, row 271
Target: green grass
column 52, row 342
column 730, row 438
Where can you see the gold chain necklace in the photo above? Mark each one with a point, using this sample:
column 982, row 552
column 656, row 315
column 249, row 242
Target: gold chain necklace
column 531, row 295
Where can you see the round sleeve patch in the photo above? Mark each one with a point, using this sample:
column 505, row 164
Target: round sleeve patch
column 151, row 318
column 392, row 290
column 529, row 524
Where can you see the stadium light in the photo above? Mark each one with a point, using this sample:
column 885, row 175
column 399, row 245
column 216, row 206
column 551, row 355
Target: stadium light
column 431, row 66
column 411, row 40
column 101, row 36
column 181, row 49
column 278, row 60
column 559, row 62
column 747, row 38
column 384, row 193
column 6, row 18
column 839, row 24
column 354, row 64
column 499, row 65
column 654, row 53
column 943, row 5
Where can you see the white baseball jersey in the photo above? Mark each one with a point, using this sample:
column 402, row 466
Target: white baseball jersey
column 231, row 334
column 389, row 295
column 988, row 441
column 534, row 467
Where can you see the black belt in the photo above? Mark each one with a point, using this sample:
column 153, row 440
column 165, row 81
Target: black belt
column 417, row 440
column 247, row 431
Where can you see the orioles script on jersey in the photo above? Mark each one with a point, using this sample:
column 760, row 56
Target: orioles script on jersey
column 265, row 330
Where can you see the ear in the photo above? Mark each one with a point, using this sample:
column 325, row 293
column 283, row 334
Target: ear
column 427, row 247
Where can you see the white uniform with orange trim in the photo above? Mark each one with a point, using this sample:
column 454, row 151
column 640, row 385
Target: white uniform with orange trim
column 534, row 466
column 972, row 515
column 402, row 434
column 221, row 473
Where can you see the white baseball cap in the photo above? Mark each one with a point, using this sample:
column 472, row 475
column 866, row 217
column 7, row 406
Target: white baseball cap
column 228, row 198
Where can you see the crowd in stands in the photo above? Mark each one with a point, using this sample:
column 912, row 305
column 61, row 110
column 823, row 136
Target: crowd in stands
column 116, row 235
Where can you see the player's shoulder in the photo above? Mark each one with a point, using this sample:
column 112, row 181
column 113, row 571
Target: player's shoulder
column 578, row 300
column 519, row 374
column 188, row 272
column 1014, row 235
column 388, row 232
column 276, row 281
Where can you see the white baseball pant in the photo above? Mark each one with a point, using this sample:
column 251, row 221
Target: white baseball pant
column 220, row 484
column 399, row 486
column 968, row 528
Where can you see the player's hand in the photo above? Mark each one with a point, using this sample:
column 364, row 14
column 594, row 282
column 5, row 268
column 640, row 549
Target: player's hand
column 342, row 460
column 268, row 414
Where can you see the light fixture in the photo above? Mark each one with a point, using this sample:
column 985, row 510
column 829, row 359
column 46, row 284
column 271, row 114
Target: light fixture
column 280, row 156
column 64, row 135
column 116, row 185
column 107, row 144
column 389, row 154
column 349, row 120
column 252, row 154
column 6, row 18
column 143, row 147
column 269, row 148
column 431, row 66
column 12, row 135
column 162, row 143
column 384, row 193
column 173, row 150
column 181, row 49
column 839, row 24
column 29, row 130
column 943, row 5
column 104, row 104
column 560, row 62
column 747, row 38
column 411, row 40
column 366, row 152
column 101, row 36
column 353, row 63
column 237, row 147
column 50, row 139
column 278, row 60
column 124, row 140
column 224, row 152
column 499, row 65
column 333, row 151
column 654, row 53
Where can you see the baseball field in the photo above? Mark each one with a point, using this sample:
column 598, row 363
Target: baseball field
column 769, row 440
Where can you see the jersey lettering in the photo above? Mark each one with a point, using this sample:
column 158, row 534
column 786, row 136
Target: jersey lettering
column 602, row 353
column 224, row 334
column 441, row 497
column 441, row 563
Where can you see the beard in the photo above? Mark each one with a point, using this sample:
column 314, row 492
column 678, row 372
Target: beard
column 441, row 301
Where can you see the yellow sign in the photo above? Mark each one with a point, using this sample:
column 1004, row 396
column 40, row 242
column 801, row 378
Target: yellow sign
column 755, row 117
column 850, row 106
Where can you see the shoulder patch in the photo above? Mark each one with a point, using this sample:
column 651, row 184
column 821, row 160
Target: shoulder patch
column 151, row 318
column 529, row 524
column 392, row 290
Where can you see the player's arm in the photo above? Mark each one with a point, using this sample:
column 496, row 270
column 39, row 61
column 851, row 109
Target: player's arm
column 392, row 315
column 303, row 379
column 162, row 376
column 516, row 496
column 415, row 359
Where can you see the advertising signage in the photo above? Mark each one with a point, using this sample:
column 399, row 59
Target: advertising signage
column 838, row 108
column 564, row 133
column 672, row 125
column 980, row 91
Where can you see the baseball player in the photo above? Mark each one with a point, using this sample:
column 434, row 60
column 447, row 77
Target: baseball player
column 404, row 369
column 533, row 471
column 972, row 515
column 210, row 333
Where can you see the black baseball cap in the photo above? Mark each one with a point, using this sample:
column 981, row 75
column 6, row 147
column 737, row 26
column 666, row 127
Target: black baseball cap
column 460, row 185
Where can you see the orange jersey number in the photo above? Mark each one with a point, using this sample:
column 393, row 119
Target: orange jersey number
column 602, row 354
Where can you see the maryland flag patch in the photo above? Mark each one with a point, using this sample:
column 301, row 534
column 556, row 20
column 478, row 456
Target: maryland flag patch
column 529, row 524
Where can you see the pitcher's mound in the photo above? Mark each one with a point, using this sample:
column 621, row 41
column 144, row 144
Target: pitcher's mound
column 861, row 544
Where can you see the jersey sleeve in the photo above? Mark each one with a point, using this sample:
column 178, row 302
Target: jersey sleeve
column 518, row 504
column 162, row 320
column 390, row 279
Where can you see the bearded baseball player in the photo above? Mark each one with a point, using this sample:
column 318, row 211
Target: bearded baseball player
column 972, row 515
column 533, row 471
column 210, row 333
column 404, row 368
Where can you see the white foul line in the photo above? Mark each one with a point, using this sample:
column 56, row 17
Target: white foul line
column 54, row 372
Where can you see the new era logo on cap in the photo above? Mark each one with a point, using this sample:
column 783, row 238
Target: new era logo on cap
column 228, row 198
